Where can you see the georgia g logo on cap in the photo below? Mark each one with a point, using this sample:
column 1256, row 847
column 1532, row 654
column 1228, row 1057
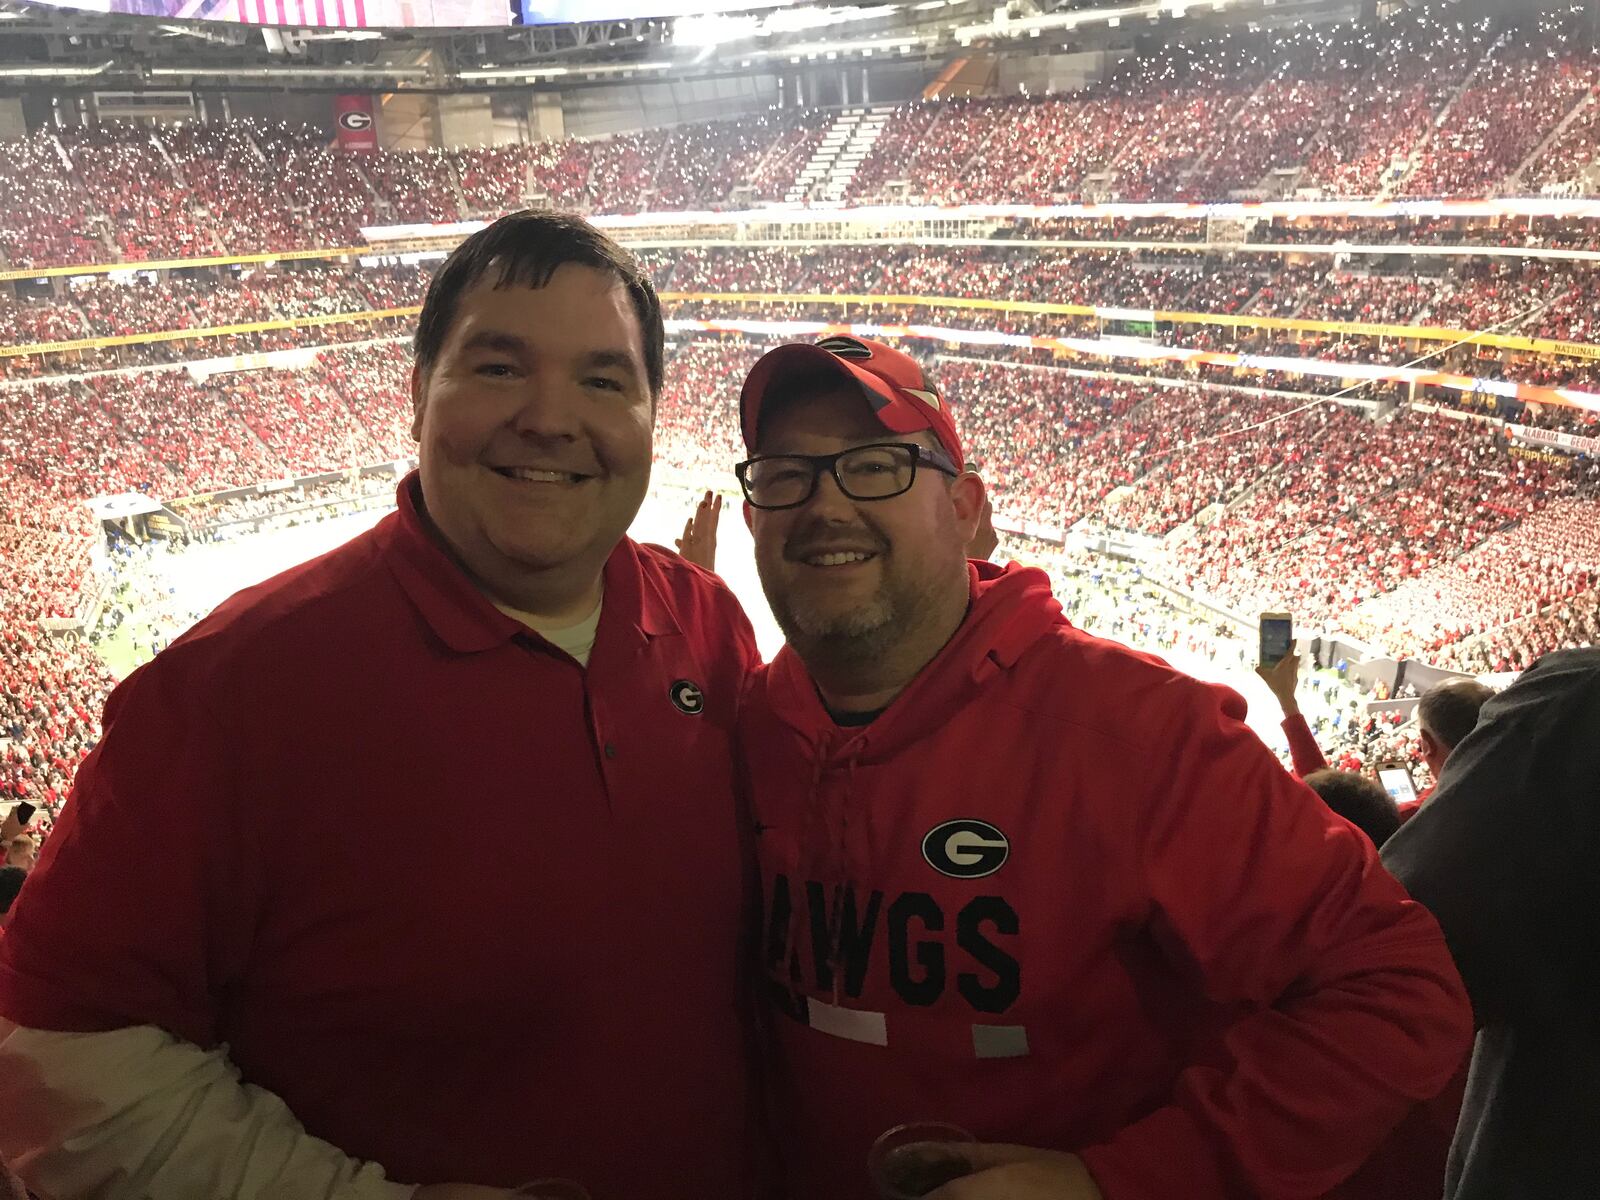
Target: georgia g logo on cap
column 845, row 347
column 966, row 849
column 355, row 121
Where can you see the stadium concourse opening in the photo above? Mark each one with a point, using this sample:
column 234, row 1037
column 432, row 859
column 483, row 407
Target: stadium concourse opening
column 1239, row 308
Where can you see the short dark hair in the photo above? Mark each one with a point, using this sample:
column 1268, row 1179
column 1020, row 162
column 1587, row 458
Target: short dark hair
column 10, row 884
column 1449, row 710
column 1359, row 800
column 524, row 249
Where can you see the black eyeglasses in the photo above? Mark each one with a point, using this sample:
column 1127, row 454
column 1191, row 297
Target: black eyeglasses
column 872, row 472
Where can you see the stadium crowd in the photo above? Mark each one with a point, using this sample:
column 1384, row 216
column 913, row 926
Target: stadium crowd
column 1349, row 112
column 1320, row 509
column 1268, row 499
column 1368, row 509
column 304, row 307
column 1546, row 559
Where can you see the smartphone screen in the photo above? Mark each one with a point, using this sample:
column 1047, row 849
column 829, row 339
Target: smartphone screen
column 1396, row 780
column 1277, row 637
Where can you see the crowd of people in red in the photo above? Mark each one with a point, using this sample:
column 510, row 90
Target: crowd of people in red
column 1402, row 527
column 1362, row 507
column 1271, row 500
column 1422, row 109
column 169, row 435
column 1545, row 299
column 95, row 307
column 1317, row 506
column 1548, row 559
column 1554, row 298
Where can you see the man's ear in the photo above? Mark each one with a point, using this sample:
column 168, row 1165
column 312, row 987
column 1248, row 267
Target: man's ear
column 967, row 494
column 1430, row 744
column 749, row 517
column 419, row 394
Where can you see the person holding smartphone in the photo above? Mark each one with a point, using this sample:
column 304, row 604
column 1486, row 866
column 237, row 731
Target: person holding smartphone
column 18, row 846
column 1445, row 714
column 1279, row 666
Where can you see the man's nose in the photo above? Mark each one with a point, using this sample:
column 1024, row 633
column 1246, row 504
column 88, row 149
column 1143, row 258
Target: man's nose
column 829, row 501
column 548, row 408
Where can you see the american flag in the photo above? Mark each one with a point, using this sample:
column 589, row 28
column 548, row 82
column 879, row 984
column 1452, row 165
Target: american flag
column 303, row 14
column 342, row 14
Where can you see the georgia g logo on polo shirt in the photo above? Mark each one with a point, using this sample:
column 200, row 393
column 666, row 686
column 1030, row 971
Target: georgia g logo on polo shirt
column 687, row 697
column 965, row 849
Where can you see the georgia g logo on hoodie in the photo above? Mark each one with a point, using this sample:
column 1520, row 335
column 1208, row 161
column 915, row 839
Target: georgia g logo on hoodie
column 965, row 849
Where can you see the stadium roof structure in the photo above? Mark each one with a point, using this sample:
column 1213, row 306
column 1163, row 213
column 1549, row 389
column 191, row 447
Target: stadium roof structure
column 301, row 44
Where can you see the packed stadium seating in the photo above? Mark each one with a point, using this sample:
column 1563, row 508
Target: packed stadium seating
column 1369, row 509
column 1426, row 532
column 1551, row 557
column 1328, row 510
column 1513, row 102
column 1546, row 299
column 1420, row 109
column 51, row 695
column 1514, row 647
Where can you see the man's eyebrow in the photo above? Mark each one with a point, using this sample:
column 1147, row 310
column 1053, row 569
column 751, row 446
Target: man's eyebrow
column 495, row 339
column 621, row 359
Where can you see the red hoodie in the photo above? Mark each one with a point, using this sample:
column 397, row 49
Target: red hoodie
column 1057, row 893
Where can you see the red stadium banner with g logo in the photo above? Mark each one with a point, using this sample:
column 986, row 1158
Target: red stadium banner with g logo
column 358, row 128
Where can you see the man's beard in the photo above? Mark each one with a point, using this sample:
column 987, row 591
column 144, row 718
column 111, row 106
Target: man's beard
column 859, row 633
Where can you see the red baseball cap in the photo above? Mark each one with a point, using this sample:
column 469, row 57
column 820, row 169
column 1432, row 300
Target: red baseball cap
column 902, row 399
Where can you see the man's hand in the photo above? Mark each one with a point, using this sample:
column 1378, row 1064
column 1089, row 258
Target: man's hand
column 984, row 540
column 699, row 541
column 1020, row 1173
column 1282, row 677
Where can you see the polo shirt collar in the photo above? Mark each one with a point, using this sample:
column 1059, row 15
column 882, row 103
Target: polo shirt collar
column 464, row 619
column 637, row 597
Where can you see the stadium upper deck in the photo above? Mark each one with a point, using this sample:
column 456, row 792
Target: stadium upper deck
column 1419, row 108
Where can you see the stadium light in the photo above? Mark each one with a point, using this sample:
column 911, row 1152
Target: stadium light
column 714, row 29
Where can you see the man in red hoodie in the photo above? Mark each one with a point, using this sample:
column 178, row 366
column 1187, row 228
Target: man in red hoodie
column 1031, row 883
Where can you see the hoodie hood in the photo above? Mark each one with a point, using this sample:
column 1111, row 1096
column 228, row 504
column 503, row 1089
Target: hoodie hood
column 1010, row 608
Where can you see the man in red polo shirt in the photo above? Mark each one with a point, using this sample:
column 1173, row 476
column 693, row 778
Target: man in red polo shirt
column 1028, row 882
column 230, row 1012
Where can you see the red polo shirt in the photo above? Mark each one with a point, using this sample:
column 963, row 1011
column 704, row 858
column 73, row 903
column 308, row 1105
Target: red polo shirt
column 550, row 989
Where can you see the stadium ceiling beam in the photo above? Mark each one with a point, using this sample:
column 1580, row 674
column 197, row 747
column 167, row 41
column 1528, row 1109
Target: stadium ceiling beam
column 591, row 35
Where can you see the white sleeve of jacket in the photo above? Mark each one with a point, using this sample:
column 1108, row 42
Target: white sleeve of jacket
column 137, row 1114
